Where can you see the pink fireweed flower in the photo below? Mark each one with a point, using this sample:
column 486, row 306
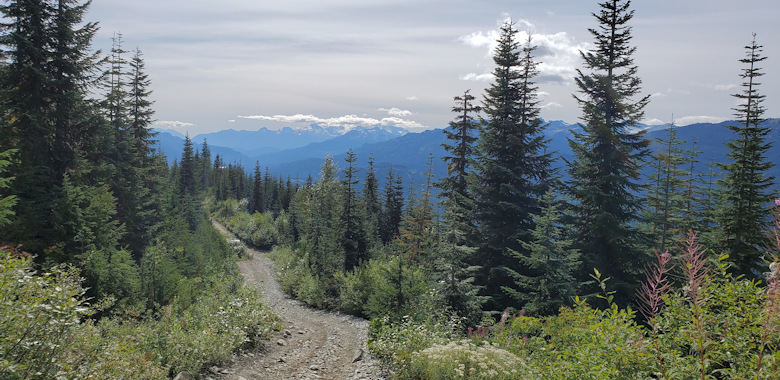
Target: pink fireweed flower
column 777, row 201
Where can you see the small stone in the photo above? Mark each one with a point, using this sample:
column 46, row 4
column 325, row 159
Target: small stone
column 358, row 355
column 314, row 367
column 241, row 378
column 281, row 342
column 183, row 376
column 281, row 360
column 287, row 333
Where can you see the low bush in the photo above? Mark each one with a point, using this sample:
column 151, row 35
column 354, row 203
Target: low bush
column 45, row 330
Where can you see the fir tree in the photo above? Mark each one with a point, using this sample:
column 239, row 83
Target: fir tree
column 354, row 239
column 373, row 208
column 667, row 198
column 511, row 169
column 745, row 189
column 551, row 262
column 256, row 205
column 417, row 229
column 461, row 150
column 607, row 154
column 46, row 115
column 392, row 211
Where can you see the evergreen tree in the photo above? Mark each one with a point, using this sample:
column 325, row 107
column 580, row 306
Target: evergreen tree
column 256, row 205
column 141, row 109
column 604, row 174
column 454, row 250
column 6, row 202
column 392, row 211
column 187, row 190
column 461, row 150
column 511, row 169
column 667, row 198
column 745, row 190
column 45, row 112
column 417, row 229
column 354, row 239
column 373, row 208
column 326, row 228
column 551, row 263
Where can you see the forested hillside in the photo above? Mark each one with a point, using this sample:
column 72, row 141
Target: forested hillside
column 514, row 259
column 109, row 265
column 532, row 265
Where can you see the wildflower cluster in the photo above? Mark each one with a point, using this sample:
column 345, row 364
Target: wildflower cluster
column 467, row 359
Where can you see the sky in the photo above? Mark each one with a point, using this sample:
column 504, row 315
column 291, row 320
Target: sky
column 241, row 64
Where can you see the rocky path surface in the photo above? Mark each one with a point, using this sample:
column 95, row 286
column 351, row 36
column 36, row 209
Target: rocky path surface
column 314, row 344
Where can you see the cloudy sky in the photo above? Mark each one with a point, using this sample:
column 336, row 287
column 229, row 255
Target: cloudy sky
column 245, row 64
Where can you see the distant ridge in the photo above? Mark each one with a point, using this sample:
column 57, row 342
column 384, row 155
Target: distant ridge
column 408, row 152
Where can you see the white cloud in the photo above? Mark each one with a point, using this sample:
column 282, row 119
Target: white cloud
column 725, row 87
column 173, row 124
column 346, row 121
column 558, row 54
column 657, row 95
column 485, row 77
column 411, row 97
column 396, row 111
column 552, row 105
column 232, row 121
column 697, row 119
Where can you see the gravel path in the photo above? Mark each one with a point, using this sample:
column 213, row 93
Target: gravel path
column 313, row 345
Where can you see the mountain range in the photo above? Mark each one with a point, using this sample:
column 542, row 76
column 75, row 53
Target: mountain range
column 299, row 153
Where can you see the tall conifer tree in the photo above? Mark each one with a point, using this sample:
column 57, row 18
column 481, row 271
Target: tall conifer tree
column 511, row 169
column 745, row 190
column 354, row 238
column 46, row 115
column 607, row 154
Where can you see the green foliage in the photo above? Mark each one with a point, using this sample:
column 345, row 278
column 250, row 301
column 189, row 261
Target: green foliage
column 604, row 173
column 6, row 202
column 713, row 326
column 551, row 263
column 746, row 188
column 42, row 336
column 191, row 337
column 396, row 343
column 466, row 359
column 511, row 169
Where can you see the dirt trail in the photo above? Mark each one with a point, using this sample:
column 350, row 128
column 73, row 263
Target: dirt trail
column 313, row 345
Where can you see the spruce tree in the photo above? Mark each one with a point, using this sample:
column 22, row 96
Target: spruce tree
column 256, row 204
column 745, row 189
column 460, row 150
column 549, row 282
column 392, row 211
column 47, row 116
column 417, row 229
column 373, row 207
column 604, row 174
column 511, row 169
column 666, row 200
column 354, row 238
column 453, row 250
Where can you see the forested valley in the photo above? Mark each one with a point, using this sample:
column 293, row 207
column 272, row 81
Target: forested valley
column 505, row 268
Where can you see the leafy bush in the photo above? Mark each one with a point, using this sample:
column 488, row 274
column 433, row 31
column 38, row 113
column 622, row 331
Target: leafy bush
column 396, row 343
column 41, row 336
column 227, row 317
column 44, row 333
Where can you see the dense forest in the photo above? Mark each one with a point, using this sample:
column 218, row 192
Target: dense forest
column 505, row 268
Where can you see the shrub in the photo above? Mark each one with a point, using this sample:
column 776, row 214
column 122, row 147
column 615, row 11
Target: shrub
column 395, row 343
column 467, row 359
